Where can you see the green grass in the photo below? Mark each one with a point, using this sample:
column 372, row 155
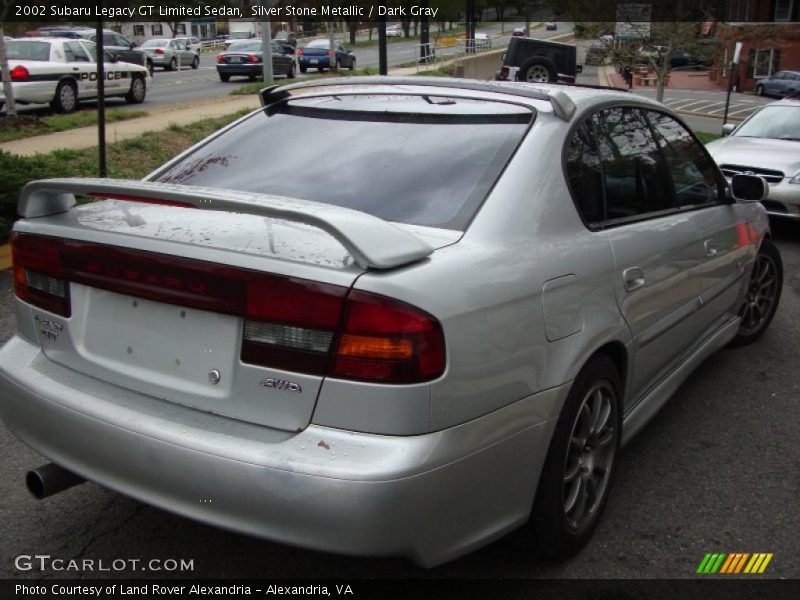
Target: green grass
column 27, row 126
column 129, row 159
column 707, row 137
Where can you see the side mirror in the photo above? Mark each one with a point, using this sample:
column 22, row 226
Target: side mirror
column 728, row 128
column 749, row 188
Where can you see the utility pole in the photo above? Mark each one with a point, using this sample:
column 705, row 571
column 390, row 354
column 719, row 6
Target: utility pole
column 101, row 98
column 332, row 44
column 736, row 52
column 8, row 90
column 470, row 41
column 383, row 69
column 266, row 43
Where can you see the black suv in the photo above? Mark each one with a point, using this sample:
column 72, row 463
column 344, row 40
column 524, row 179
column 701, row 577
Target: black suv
column 528, row 59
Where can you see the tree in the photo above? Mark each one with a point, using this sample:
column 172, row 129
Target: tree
column 8, row 90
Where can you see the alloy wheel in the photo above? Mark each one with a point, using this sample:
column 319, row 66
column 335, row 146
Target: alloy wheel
column 590, row 456
column 761, row 295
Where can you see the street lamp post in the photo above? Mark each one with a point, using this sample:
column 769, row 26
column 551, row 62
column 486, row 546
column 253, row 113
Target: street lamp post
column 266, row 43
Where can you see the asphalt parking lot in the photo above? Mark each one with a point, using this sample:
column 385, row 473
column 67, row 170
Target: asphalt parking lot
column 716, row 471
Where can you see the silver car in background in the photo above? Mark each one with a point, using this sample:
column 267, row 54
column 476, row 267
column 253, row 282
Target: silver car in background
column 767, row 144
column 411, row 373
column 170, row 54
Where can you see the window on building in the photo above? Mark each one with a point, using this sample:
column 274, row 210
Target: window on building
column 138, row 30
column 180, row 29
column 783, row 10
column 763, row 62
column 157, row 29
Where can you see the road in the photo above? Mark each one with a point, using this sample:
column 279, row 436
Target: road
column 715, row 471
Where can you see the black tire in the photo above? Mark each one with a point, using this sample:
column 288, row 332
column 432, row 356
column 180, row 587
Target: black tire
column 137, row 92
column 759, row 90
column 303, row 69
column 196, row 62
column 224, row 77
column 762, row 296
column 292, row 73
column 353, row 64
column 66, row 97
column 252, row 77
column 321, row 69
column 537, row 70
column 173, row 65
column 552, row 530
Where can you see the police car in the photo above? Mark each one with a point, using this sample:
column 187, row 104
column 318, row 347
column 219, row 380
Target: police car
column 62, row 72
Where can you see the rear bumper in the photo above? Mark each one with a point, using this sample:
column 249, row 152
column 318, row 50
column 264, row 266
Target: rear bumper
column 321, row 61
column 430, row 497
column 243, row 69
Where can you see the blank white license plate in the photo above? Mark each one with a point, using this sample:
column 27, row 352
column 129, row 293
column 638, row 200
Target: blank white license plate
column 313, row 61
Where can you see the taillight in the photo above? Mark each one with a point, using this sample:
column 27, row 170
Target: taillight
column 327, row 52
column 159, row 51
column 299, row 52
column 20, row 73
column 288, row 323
column 220, row 58
column 385, row 340
column 38, row 273
column 253, row 58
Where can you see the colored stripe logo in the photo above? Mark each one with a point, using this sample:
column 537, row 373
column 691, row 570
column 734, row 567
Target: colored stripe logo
column 733, row 563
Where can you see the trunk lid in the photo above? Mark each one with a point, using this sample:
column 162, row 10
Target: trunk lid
column 137, row 319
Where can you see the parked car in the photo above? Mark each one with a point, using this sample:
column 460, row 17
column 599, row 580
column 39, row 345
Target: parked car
column 767, row 144
column 532, row 60
column 681, row 58
column 596, row 55
column 317, row 54
column 120, row 47
column 414, row 374
column 780, row 84
column 286, row 38
column 62, row 72
column 551, row 26
column 170, row 54
column 394, row 31
column 518, row 32
column 246, row 59
column 651, row 52
column 483, row 41
column 191, row 43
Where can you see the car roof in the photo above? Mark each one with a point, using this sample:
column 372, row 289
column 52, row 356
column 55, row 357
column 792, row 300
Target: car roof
column 565, row 100
column 788, row 101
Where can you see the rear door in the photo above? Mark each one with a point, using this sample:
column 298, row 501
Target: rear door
column 656, row 248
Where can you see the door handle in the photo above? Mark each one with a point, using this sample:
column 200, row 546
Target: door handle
column 633, row 279
column 711, row 248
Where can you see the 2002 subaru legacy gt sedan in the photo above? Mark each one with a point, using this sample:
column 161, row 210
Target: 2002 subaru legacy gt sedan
column 443, row 331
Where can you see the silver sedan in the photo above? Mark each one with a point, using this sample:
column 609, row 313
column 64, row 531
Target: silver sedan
column 170, row 54
column 411, row 349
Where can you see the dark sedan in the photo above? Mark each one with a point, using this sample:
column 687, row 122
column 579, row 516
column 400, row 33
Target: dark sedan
column 245, row 59
column 317, row 54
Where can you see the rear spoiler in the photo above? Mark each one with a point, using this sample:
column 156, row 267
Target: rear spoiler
column 373, row 242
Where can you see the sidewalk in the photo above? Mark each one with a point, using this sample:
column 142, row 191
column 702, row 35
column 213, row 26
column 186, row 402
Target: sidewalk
column 678, row 80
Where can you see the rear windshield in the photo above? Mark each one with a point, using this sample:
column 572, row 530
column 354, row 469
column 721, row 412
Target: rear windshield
column 242, row 46
column 155, row 43
column 318, row 44
column 421, row 160
column 27, row 50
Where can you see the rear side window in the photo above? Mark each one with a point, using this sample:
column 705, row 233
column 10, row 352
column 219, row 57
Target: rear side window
column 585, row 174
column 25, row 50
column 637, row 181
column 420, row 160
